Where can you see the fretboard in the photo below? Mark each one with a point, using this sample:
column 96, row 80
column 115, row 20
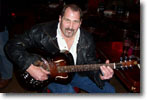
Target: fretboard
column 80, row 68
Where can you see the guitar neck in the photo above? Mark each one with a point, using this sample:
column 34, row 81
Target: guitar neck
column 81, row 68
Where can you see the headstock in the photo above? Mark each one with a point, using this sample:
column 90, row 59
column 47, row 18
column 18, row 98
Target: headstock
column 127, row 63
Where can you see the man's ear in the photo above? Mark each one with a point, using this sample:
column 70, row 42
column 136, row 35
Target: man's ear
column 60, row 18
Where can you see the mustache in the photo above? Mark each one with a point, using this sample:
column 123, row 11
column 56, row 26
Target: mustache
column 68, row 29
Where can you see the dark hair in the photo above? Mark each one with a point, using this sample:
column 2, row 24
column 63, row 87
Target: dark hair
column 74, row 8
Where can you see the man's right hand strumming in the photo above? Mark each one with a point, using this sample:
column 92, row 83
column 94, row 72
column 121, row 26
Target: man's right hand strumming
column 38, row 72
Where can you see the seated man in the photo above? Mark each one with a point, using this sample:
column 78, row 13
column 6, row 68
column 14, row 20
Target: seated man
column 53, row 37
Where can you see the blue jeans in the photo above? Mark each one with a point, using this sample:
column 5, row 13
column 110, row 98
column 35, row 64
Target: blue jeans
column 6, row 69
column 81, row 82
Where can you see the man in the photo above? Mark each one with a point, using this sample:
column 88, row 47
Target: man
column 63, row 35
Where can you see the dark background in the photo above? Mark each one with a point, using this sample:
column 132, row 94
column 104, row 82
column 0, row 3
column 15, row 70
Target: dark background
column 109, row 31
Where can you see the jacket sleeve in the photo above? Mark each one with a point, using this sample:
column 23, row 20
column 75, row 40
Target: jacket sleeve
column 16, row 49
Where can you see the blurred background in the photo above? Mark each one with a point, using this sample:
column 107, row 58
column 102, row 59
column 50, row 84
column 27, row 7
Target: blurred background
column 114, row 24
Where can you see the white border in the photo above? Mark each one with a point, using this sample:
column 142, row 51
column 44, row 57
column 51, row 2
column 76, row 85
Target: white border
column 99, row 96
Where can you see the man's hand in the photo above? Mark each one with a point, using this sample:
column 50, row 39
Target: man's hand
column 38, row 73
column 106, row 71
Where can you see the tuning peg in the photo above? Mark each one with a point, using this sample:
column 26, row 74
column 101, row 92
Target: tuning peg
column 122, row 67
column 131, row 67
column 130, row 58
column 126, row 67
column 121, row 59
column 126, row 58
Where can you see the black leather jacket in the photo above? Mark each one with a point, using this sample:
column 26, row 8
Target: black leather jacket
column 43, row 36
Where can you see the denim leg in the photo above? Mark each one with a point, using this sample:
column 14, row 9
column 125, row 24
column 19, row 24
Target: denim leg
column 6, row 69
column 88, row 85
column 3, row 40
column 60, row 88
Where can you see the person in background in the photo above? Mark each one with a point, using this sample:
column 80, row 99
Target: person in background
column 55, row 36
column 6, row 68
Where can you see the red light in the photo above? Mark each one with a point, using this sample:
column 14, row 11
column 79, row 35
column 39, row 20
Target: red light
column 12, row 14
column 118, row 46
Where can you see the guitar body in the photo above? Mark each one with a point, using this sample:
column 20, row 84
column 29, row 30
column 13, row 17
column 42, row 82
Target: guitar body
column 60, row 59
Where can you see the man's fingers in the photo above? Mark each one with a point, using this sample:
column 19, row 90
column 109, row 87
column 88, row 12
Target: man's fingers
column 107, row 72
column 46, row 72
column 107, row 61
column 110, row 70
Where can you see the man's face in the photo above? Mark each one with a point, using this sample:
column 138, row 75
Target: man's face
column 70, row 23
